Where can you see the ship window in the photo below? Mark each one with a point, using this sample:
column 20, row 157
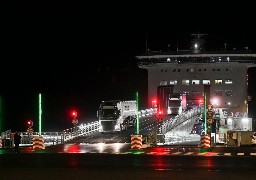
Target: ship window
column 178, row 70
column 213, row 69
column 228, row 81
column 187, row 70
column 161, row 70
column 166, row 70
column 218, row 92
column 204, row 69
column 173, row 82
column 218, row 81
column 228, row 93
column 174, row 70
column 226, row 69
column 218, row 69
column 163, row 83
column 185, row 82
column 206, row 81
column 199, row 69
column 195, row 82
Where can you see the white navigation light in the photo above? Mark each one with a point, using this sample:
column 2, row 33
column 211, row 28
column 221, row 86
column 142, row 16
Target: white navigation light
column 196, row 45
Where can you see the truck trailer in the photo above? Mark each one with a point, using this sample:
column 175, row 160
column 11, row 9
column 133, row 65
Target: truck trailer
column 116, row 115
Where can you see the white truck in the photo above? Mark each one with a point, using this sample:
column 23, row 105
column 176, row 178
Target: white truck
column 175, row 104
column 116, row 115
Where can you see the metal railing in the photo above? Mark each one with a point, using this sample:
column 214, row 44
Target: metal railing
column 53, row 138
column 179, row 119
column 50, row 138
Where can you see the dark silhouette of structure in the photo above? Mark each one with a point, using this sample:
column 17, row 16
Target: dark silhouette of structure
column 17, row 139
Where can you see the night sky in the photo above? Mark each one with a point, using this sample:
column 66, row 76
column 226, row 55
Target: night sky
column 77, row 54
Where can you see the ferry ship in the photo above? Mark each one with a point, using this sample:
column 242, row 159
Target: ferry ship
column 188, row 71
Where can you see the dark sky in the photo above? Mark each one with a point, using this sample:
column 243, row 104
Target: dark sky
column 78, row 54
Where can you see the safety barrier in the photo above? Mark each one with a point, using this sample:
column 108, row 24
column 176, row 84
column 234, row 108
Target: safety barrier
column 205, row 141
column 136, row 141
column 38, row 143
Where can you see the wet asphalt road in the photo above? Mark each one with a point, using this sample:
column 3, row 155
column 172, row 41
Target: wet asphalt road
column 138, row 164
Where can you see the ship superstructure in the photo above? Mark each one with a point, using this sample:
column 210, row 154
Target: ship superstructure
column 188, row 71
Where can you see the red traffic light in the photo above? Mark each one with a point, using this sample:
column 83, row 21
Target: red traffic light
column 154, row 103
column 160, row 113
column 74, row 114
column 200, row 101
column 30, row 123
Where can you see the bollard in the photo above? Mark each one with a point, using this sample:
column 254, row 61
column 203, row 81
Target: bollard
column 38, row 143
column 136, row 141
column 205, row 141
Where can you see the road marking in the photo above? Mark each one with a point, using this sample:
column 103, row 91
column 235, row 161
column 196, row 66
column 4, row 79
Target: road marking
column 201, row 154
column 176, row 153
column 189, row 153
column 151, row 153
column 240, row 154
column 158, row 153
column 253, row 154
column 227, row 154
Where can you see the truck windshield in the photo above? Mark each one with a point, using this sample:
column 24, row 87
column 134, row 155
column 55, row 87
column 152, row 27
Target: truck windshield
column 108, row 112
column 174, row 103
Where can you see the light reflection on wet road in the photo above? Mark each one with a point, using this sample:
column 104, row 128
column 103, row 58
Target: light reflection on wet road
column 96, row 148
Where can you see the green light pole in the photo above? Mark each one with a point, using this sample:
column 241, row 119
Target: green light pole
column 137, row 109
column 40, row 114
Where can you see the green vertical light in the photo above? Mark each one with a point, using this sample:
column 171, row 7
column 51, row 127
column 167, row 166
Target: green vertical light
column 205, row 122
column 137, row 122
column 40, row 114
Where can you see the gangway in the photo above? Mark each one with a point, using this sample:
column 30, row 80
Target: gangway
column 181, row 122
